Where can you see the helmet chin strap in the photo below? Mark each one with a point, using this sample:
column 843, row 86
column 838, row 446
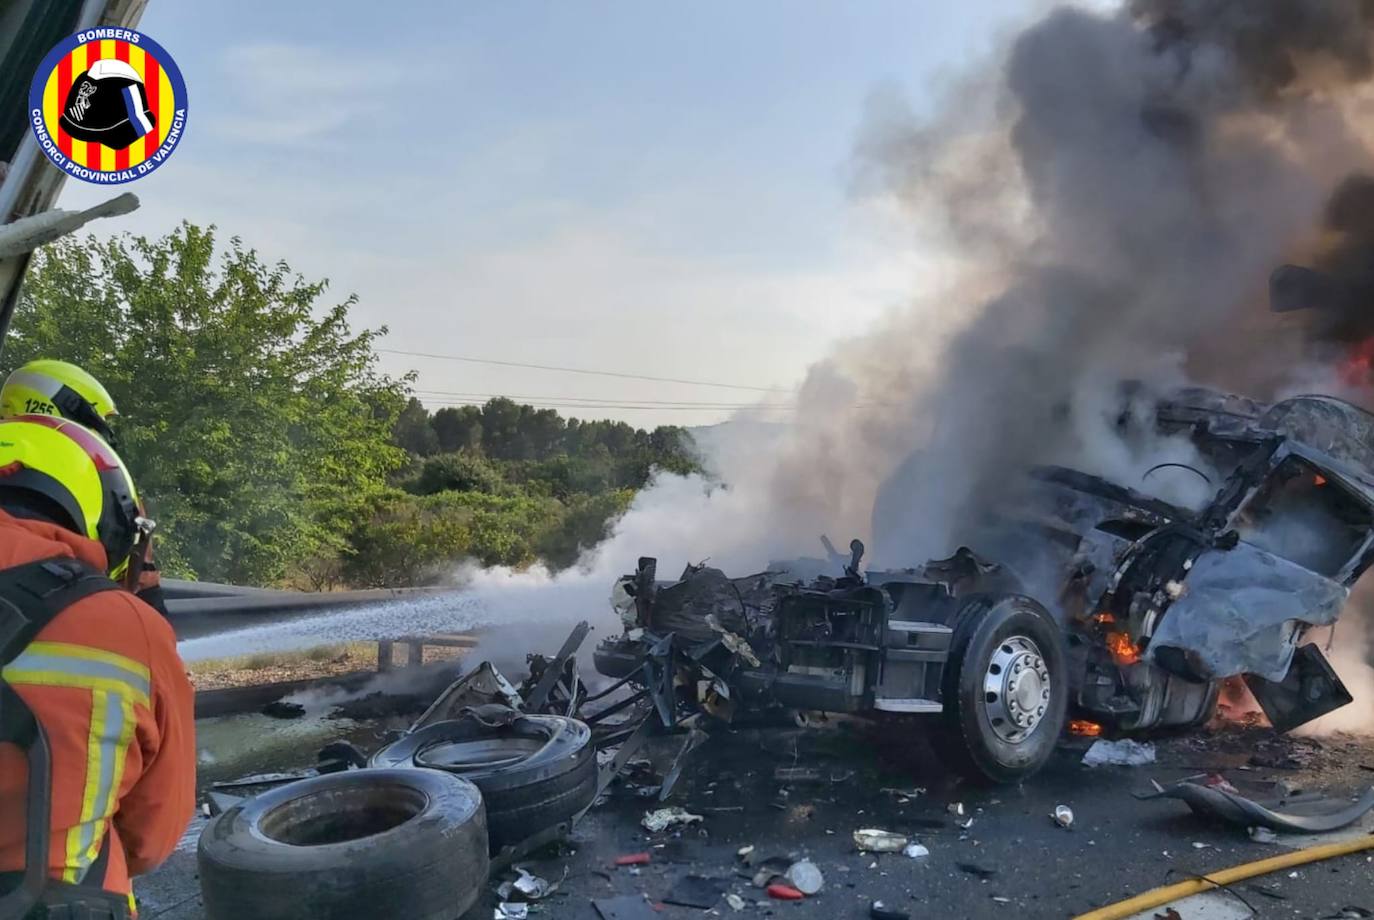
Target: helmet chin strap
column 138, row 558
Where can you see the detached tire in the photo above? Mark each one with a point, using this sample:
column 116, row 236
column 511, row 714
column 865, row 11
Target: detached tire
column 1005, row 688
column 368, row 843
column 534, row 773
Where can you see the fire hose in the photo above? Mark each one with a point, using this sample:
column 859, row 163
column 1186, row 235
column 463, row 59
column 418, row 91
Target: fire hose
column 1158, row 897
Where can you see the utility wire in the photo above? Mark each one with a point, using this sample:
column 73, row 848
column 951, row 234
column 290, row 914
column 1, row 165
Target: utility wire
column 582, row 370
column 586, row 406
column 447, row 398
column 596, row 399
column 690, row 408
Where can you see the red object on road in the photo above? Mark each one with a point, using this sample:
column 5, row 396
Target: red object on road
column 632, row 859
column 785, row 893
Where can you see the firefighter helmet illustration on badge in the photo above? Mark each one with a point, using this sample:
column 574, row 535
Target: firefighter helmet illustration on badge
column 108, row 105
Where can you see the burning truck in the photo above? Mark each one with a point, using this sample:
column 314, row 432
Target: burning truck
column 1080, row 598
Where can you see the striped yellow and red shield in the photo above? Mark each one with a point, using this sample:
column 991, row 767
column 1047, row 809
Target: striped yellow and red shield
column 158, row 89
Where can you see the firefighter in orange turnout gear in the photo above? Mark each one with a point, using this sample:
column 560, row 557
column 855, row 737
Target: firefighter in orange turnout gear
column 97, row 746
column 63, row 390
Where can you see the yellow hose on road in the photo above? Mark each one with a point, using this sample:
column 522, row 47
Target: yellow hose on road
column 1158, row 897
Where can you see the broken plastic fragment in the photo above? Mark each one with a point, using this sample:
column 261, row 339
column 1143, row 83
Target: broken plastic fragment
column 805, row 877
column 1063, row 816
column 915, row 851
column 784, row 893
column 880, row 911
column 526, row 887
column 1263, row 835
column 1123, row 753
column 665, row 818
column 873, row 840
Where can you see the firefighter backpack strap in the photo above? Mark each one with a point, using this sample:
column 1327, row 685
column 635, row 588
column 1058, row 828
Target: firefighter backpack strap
column 31, row 597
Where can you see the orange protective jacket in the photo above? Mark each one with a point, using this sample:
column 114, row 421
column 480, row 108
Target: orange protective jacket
column 105, row 682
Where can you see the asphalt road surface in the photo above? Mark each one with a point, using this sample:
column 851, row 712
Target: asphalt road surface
column 1012, row 861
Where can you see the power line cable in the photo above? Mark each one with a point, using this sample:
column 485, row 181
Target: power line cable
column 596, row 400
column 587, row 406
column 581, row 370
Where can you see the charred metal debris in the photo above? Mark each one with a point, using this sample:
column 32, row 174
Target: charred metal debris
column 1146, row 609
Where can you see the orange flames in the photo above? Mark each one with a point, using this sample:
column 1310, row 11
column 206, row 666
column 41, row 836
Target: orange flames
column 1123, row 650
column 1358, row 367
column 1084, row 728
column 1237, row 706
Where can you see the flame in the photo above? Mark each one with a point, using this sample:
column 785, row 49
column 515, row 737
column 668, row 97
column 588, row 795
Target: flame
column 1358, row 367
column 1084, row 728
column 1318, row 480
column 1105, row 617
column 1237, row 706
column 1122, row 648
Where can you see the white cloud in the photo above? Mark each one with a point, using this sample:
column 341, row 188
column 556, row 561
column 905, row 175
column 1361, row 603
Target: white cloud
column 290, row 94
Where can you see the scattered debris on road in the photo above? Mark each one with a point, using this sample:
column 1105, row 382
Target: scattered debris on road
column 805, row 877
column 697, row 891
column 1123, row 753
column 664, row 818
column 1306, row 813
column 527, row 887
column 879, row 911
column 781, row 892
column 873, row 840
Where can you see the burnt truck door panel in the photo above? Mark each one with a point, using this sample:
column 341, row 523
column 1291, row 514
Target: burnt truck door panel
column 1301, row 527
column 1242, row 612
column 1309, row 691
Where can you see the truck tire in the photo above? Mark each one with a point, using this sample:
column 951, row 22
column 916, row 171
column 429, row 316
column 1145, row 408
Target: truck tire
column 1005, row 689
column 366, row 843
column 534, row 773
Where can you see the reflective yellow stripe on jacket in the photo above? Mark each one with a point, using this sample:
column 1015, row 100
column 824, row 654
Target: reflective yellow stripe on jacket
column 116, row 684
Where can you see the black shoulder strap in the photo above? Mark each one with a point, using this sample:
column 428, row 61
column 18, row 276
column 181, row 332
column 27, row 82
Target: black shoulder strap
column 33, row 594
column 31, row 597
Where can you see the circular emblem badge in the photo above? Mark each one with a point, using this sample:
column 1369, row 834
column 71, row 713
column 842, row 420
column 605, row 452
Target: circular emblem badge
column 108, row 105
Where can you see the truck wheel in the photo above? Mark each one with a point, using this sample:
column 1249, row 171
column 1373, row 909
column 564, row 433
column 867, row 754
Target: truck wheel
column 534, row 773
column 1005, row 688
column 366, row 843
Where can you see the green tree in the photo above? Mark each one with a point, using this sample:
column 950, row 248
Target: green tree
column 458, row 428
column 412, row 431
column 501, row 429
column 254, row 420
column 460, row 472
column 407, row 541
column 588, row 520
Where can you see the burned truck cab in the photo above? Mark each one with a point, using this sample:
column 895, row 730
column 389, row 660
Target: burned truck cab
column 1085, row 597
column 1232, row 592
column 984, row 670
column 845, row 648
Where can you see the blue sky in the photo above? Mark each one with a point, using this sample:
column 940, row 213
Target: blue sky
column 649, row 188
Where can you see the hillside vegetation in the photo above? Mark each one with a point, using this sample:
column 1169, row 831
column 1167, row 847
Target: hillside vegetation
column 271, row 449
